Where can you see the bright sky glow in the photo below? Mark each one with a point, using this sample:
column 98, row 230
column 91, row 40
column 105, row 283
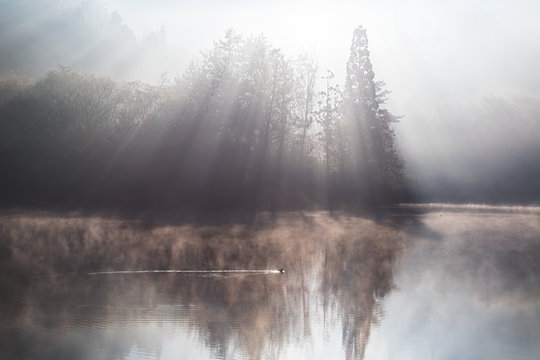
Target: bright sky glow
column 423, row 50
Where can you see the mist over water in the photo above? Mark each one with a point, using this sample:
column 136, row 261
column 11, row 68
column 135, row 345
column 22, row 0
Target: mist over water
column 353, row 287
column 269, row 180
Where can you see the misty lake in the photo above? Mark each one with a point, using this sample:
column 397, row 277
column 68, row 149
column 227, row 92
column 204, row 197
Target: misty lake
column 420, row 282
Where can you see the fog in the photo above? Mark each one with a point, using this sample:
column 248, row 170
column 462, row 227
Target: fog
column 272, row 179
column 51, row 261
column 446, row 282
column 38, row 36
column 462, row 76
column 428, row 52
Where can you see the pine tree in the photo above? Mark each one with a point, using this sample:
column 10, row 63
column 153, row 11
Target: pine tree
column 374, row 154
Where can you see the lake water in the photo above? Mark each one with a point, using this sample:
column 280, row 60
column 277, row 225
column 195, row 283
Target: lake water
column 420, row 282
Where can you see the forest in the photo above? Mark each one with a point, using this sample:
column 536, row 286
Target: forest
column 173, row 189
column 244, row 128
column 93, row 117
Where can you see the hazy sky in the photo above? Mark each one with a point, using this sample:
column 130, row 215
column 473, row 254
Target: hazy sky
column 439, row 58
column 426, row 51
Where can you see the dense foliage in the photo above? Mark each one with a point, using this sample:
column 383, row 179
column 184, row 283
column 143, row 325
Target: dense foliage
column 243, row 129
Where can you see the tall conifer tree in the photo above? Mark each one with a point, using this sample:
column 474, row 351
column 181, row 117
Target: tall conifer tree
column 373, row 152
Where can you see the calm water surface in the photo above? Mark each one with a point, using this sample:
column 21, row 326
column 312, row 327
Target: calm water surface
column 422, row 282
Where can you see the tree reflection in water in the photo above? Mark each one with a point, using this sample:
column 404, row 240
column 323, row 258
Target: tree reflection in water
column 337, row 271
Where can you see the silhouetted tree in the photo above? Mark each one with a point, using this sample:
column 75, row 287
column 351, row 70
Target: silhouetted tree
column 240, row 130
column 329, row 119
column 305, row 101
column 375, row 157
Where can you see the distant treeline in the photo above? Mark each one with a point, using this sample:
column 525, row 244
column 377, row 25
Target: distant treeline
column 37, row 35
column 244, row 129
